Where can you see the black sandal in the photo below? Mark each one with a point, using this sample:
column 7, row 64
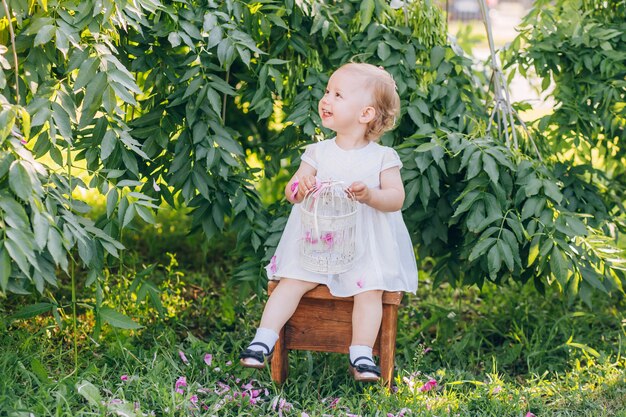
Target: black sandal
column 357, row 370
column 259, row 356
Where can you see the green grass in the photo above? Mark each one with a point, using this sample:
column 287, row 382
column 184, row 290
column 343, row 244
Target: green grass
column 499, row 352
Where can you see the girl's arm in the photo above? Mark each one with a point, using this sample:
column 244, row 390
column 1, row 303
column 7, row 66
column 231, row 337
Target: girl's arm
column 390, row 195
column 305, row 177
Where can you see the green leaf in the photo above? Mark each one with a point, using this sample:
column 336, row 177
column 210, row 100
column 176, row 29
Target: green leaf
column 437, row 54
column 89, row 392
column 506, row 254
column 108, row 144
column 44, row 35
column 40, row 228
column 383, row 51
column 145, row 213
column 19, row 180
column 534, row 250
column 5, row 268
column 533, row 187
column 490, row 166
column 494, row 261
column 55, row 247
column 86, row 72
column 474, row 166
column 529, row 207
column 32, row 310
column 558, row 266
column 552, row 190
column 365, row 12
column 467, row 202
column 117, row 319
column 425, row 147
column 112, row 201
column 229, row 144
column 481, row 248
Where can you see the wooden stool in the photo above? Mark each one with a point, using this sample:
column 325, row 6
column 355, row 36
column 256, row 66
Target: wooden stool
column 323, row 323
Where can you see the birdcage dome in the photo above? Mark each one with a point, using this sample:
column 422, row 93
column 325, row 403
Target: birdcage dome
column 328, row 229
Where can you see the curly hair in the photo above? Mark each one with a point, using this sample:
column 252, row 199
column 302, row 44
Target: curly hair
column 386, row 101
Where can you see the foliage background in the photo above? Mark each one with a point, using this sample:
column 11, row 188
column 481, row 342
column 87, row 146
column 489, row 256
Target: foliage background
column 117, row 109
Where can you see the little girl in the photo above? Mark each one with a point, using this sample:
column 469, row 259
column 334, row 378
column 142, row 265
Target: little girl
column 360, row 104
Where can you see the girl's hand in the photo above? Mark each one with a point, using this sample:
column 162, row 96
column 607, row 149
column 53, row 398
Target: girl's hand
column 305, row 184
column 360, row 191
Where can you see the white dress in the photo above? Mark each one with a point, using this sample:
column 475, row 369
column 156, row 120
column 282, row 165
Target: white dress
column 385, row 256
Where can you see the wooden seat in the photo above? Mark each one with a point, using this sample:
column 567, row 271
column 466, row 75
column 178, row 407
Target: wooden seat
column 323, row 323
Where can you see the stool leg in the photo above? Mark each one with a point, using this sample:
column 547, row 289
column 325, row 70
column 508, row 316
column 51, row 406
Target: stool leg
column 280, row 360
column 388, row 331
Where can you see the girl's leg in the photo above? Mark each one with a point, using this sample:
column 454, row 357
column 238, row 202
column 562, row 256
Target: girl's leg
column 367, row 315
column 283, row 302
column 279, row 308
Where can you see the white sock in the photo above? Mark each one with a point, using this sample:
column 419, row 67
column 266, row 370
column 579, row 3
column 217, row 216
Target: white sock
column 357, row 351
column 265, row 336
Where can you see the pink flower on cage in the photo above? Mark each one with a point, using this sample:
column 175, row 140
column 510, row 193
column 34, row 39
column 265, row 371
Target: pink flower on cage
column 208, row 359
column 428, row 385
column 294, row 188
column 180, row 383
column 529, row 414
column 183, row 357
column 308, row 238
column 193, row 399
column 360, row 283
column 329, row 239
column 124, row 378
column 273, row 266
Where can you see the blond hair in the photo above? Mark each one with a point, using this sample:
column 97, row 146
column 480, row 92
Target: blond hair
column 386, row 101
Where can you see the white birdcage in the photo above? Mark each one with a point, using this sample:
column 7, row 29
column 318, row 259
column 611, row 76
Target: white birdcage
column 328, row 229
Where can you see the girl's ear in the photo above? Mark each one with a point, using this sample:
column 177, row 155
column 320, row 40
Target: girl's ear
column 367, row 114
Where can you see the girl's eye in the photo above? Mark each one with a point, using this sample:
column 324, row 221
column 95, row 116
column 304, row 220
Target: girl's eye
column 337, row 95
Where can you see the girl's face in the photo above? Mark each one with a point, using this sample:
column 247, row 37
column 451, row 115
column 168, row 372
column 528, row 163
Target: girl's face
column 344, row 103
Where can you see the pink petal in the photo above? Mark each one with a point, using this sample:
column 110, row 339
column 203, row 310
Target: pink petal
column 360, row 283
column 181, row 382
column 124, row 377
column 529, row 414
column 429, row 385
column 183, row 357
column 194, row 399
column 155, row 186
column 428, row 349
column 208, row 359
